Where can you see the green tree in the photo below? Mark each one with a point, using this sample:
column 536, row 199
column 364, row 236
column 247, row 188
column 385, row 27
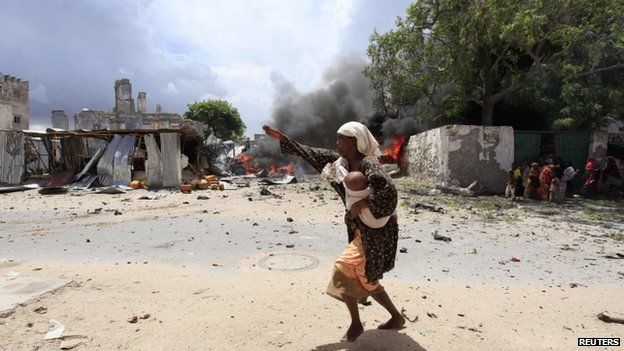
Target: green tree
column 220, row 118
column 448, row 54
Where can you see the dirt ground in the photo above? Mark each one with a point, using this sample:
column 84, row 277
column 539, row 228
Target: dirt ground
column 519, row 275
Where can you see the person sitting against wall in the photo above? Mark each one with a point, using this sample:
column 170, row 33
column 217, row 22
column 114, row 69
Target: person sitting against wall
column 568, row 174
column 555, row 185
column 510, row 190
column 525, row 168
column 590, row 188
column 612, row 179
column 545, row 181
column 530, row 191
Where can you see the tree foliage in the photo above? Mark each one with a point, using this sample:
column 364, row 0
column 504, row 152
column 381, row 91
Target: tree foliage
column 220, row 118
column 562, row 57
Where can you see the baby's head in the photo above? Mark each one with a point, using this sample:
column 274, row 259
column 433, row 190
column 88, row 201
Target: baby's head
column 355, row 181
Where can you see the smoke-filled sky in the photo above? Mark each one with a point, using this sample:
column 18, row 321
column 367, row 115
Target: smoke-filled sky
column 179, row 52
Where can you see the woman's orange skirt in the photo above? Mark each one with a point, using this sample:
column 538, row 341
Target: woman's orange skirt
column 349, row 275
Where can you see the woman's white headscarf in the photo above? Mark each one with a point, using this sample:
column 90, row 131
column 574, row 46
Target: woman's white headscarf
column 366, row 143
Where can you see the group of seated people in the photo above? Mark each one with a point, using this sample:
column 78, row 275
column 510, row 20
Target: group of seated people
column 547, row 180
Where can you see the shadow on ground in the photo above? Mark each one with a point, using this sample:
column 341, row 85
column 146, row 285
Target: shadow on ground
column 375, row 340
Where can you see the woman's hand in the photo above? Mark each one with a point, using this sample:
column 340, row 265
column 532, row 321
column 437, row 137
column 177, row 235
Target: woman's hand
column 357, row 208
column 273, row 133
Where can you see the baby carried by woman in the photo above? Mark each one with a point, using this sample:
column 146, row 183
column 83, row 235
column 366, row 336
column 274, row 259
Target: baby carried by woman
column 356, row 189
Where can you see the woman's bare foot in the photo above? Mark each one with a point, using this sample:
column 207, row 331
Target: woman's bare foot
column 393, row 323
column 354, row 331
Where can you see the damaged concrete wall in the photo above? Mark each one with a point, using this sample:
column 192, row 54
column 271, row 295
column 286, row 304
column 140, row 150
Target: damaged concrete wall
column 425, row 157
column 94, row 120
column 124, row 115
column 142, row 102
column 14, row 113
column 124, row 103
column 598, row 145
column 11, row 157
column 460, row 154
column 60, row 120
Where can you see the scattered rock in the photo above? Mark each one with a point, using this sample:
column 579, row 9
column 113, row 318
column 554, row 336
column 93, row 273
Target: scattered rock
column 118, row 213
column 615, row 255
column 471, row 329
column 6, row 313
column 404, row 314
column 133, row 319
column 611, row 317
column 71, row 341
column 428, row 207
column 403, row 250
column 41, row 310
column 437, row 236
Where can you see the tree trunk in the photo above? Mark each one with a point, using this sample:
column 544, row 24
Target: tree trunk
column 487, row 117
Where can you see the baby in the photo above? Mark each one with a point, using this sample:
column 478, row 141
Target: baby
column 356, row 189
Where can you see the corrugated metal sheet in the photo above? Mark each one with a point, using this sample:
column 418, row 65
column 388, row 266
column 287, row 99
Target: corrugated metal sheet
column 122, row 169
column 73, row 153
column 11, row 156
column 153, row 163
column 114, row 166
column 105, row 165
column 171, row 163
column 90, row 164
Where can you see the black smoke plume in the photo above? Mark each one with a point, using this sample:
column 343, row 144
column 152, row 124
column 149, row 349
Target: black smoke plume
column 314, row 117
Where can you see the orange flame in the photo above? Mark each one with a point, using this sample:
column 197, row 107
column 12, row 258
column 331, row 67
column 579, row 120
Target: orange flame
column 393, row 148
column 247, row 161
column 282, row 170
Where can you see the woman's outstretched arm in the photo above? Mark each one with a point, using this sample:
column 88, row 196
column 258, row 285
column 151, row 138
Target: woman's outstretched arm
column 316, row 157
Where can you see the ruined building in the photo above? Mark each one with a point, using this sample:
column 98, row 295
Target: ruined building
column 124, row 115
column 13, row 103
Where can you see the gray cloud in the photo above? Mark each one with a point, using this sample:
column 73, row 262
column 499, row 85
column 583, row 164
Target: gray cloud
column 72, row 52
column 369, row 15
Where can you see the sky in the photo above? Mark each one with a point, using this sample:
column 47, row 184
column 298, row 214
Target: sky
column 179, row 52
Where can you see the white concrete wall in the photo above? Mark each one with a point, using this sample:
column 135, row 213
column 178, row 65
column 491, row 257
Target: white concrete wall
column 6, row 116
column 60, row 120
column 426, row 157
column 460, row 154
column 598, row 145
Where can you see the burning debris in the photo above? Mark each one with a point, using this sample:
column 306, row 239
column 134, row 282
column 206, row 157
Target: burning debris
column 228, row 159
